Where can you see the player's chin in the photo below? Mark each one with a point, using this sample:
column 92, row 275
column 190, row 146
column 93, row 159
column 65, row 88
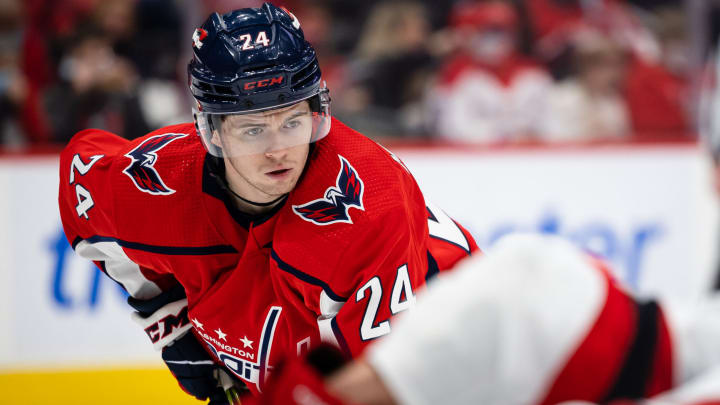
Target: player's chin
column 278, row 187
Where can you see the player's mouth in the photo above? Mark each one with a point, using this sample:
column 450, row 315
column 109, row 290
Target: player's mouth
column 279, row 174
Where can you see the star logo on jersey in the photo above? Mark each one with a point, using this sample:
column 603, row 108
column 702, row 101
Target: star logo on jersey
column 246, row 342
column 220, row 334
column 142, row 161
column 333, row 208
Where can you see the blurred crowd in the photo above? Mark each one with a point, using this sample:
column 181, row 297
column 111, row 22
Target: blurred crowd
column 480, row 71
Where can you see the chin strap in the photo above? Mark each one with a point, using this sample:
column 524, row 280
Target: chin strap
column 225, row 186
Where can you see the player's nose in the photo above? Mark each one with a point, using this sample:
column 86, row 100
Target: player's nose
column 276, row 145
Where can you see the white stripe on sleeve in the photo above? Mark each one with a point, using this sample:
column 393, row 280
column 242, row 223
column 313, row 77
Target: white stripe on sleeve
column 328, row 309
column 119, row 267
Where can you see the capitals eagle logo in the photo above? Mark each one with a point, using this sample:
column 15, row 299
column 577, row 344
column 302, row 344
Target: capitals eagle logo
column 141, row 169
column 347, row 193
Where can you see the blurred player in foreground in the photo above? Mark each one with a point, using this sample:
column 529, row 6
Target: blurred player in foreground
column 264, row 229
column 533, row 321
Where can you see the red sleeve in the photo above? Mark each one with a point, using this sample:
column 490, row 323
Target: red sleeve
column 87, row 211
column 85, row 165
column 448, row 243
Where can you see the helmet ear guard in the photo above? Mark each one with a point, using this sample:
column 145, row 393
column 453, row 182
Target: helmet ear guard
column 320, row 105
column 205, row 129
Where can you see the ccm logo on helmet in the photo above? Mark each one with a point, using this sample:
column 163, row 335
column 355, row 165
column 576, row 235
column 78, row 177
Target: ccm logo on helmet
column 271, row 81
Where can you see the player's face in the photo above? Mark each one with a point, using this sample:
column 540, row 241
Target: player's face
column 264, row 132
column 274, row 145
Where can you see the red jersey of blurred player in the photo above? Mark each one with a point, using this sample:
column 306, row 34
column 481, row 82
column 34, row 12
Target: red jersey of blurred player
column 347, row 249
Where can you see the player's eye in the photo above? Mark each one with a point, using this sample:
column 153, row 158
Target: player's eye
column 294, row 123
column 252, row 132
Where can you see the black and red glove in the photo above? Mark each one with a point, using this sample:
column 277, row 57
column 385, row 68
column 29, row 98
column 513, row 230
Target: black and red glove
column 165, row 321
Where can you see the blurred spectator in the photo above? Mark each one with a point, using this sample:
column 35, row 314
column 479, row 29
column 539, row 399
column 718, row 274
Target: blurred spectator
column 118, row 71
column 590, row 105
column 390, row 67
column 13, row 85
column 658, row 91
column 551, row 17
column 96, row 90
column 116, row 20
column 316, row 21
column 162, row 90
column 488, row 92
column 158, row 37
column 555, row 23
column 47, row 22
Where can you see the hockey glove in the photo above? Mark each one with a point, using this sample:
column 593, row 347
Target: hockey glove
column 164, row 319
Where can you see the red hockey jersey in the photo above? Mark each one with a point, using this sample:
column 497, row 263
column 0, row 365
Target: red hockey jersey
column 346, row 250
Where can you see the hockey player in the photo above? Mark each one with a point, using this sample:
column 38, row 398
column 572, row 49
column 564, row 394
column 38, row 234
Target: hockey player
column 265, row 228
column 533, row 321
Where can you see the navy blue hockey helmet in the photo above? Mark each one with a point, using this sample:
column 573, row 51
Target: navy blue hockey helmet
column 247, row 63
